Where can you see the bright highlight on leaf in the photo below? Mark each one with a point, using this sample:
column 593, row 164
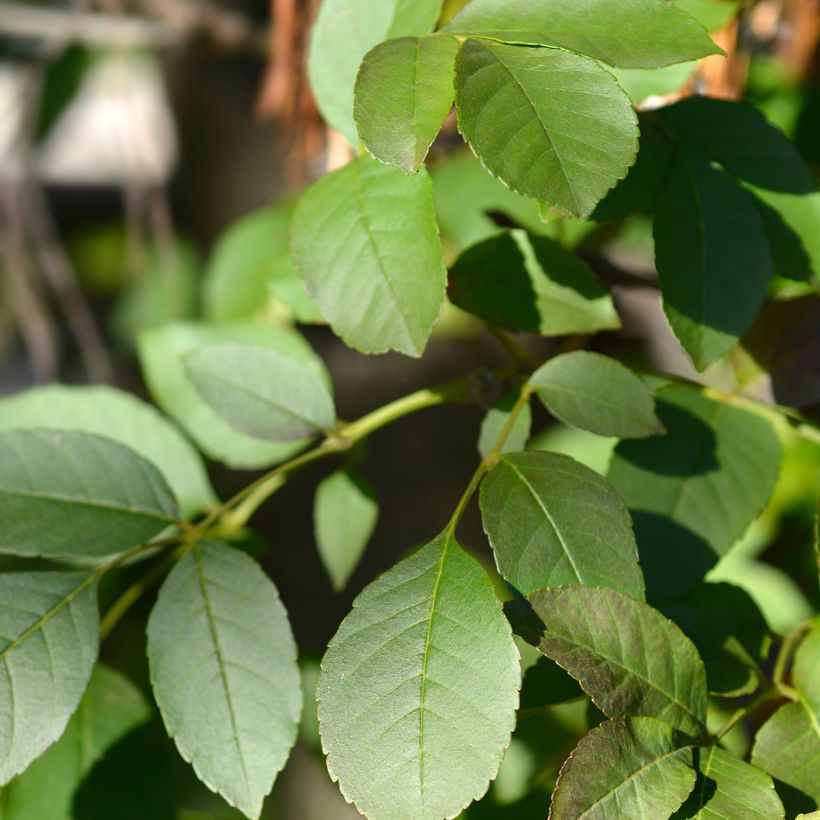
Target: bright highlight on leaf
column 261, row 392
column 404, row 92
column 419, row 688
column 625, row 33
column 49, row 632
column 385, row 287
column 224, row 673
column 550, row 124
column 67, row 493
column 598, row 394
column 553, row 521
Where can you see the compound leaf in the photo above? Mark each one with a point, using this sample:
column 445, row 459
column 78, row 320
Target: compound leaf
column 366, row 242
column 553, row 521
column 404, row 92
column 49, row 632
column 638, row 768
column 597, row 394
column 224, row 672
column 67, row 493
column 627, row 657
column 261, row 392
column 625, row 33
column 419, row 688
column 550, row 124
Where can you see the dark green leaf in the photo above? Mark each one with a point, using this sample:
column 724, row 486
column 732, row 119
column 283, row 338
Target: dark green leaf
column 344, row 515
column 496, row 421
column 224, row 673
column 122, row 417
column 404, row 92
column 627, row 657
column 712, row 256
column 597, row 394
column 627, row 33
column 49, row 632
column 694, row 492
column 737, row 135
column 553, row 521
column 67, row 493
column 261, row 392
column 525, row 282
column 633, row 768
column 728, row 787
column 161, row 353
column 419, row 688
column 546, row 683
column 110, row 708
column 368, row 231
column 344, row 32
column 550, row 124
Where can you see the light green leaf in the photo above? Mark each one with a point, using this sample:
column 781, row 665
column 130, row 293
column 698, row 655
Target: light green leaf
column 712, row 15
column 496, row 420
column 250, row 264
column 109, row 709
column 419, row 688
column 788, row 747
column 806, row 670
column 344, row 32
column 224, row 673
column 404, row 92
column 122, row 417
column 712, row 255
column 344, row 515
column 550, row 124
column 67, row 493
column 553, row 521
column 728, row 787
column 694, row 492
column 626, row 33
column 49, row 632
column 366, row 242
column 627, row 657
column 261, row 392
column 530, row 283
column 627, row 769
column 597, row 394
column 161, row 353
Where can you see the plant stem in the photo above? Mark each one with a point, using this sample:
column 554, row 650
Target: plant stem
column 787, row 650
column 773, row 693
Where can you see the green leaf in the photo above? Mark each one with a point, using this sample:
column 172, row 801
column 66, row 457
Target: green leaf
column 728, row 787
column 496, row 420
column 729, row 632
column 806, row 670
column 627, row 657
column 122, row 417
column 626, row 33
column 261, row 392
column 161, row 353
column 788, row 747
column 525, row 282
column 694, row 492
column 404, row 92
column 67, row 493
column 597, row 394
column 712, row 256
column 739, row 137
column 550, row 124
column 344, row 515
column 627, row 768
column 344, row 32
column 368, row 229
column 224, row 673
column 49, row 632
column 110, row 708
column 419, row 688
column 553, row 521
column 711, row 15
column 250, row 264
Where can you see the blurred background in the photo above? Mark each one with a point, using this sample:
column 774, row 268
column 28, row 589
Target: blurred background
column 150, row 152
